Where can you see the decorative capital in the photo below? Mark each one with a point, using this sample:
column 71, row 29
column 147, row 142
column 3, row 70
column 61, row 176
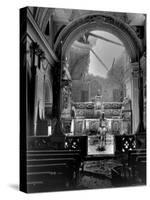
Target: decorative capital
column 135, row 69
column 35, row 48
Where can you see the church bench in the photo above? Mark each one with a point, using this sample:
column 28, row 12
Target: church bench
column 50, row 167
column 133, row 167
column 137, row 164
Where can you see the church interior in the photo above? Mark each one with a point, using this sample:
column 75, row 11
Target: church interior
column 82, row 99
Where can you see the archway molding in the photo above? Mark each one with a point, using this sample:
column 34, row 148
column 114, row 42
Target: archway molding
column 99, row 22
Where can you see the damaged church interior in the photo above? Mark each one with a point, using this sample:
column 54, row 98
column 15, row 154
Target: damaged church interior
column 82, row 99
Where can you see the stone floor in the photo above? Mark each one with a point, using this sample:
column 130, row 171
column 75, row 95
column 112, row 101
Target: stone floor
column 98, row 174
column 89, row 181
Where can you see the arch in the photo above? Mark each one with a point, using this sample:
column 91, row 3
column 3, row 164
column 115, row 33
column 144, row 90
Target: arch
column 101, row 22
column 41, row 16
column 58, row 32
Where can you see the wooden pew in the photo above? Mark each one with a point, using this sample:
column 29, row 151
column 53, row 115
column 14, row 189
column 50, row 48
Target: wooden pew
column 52, row 169
column 137, row 164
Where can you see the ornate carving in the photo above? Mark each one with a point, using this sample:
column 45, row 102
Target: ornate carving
column 92, row 125
column 126, row 101
column 112, row 105
column 91, row 105
column 79, row 126
column 128, row 143
column 66, row 96
column 112, row 112
column 88, row 110
column 83, row 105
column 72, row 143
column 78, row 143
column 125, row 143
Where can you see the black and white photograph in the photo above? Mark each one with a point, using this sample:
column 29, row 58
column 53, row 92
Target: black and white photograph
column 82, row 99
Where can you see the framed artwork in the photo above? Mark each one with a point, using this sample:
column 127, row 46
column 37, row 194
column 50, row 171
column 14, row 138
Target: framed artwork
column 82, row 99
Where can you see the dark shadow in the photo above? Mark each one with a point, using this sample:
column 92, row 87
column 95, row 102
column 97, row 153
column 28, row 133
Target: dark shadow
column 14, row 186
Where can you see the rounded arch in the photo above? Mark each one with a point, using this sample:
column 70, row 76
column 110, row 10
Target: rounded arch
column 101, row 22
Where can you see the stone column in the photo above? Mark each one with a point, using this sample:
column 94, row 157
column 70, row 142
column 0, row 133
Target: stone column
column 57, row 137
column 135, row 96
